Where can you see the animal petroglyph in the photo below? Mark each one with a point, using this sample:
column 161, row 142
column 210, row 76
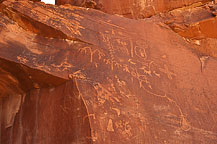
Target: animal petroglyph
column 85, row 50
column 65, row 65
column 78, row 74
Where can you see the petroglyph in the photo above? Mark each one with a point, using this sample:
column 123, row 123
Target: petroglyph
column 85, row 50
column 157, row 74
column 127, row 75
column 147, row 68
column 65, row 65
column 22, row 60
column 117, row 110
column 131, row 61
column 102, row 94
column 110, row 24
column 122, row 88
column 140, row 49
column 42, row 67
column 143, row 74
column 110, row 126
column 167, row 72
column 78, row 74
column 124, row 128
column 121, row 46
column 74, row 27
column 108, row 94
column 89, row 116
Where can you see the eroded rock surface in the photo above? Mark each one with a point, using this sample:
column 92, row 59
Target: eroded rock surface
column 135, row 9
column 50, row 115
column 195, row 23
column 198, row 24
column 111, row 79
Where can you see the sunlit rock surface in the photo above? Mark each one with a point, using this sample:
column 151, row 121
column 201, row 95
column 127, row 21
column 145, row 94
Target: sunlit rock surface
column 76, row 75
column 135, row 9
column 197, row 24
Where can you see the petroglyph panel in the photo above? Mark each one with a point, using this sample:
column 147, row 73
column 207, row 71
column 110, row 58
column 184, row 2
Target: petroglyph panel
column 137, row 79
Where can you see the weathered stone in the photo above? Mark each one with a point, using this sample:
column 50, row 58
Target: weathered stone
column 197, row 24
column 132, row 81
column 194, row 23
column 50, row 115
column 132, row 8
column 30, row 0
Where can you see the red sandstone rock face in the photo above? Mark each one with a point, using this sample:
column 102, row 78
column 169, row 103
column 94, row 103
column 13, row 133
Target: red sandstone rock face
column 197, row 25
column 50, row 115
column 30, row 0
column 108, row 79
column 131, row 8
column 194, row 23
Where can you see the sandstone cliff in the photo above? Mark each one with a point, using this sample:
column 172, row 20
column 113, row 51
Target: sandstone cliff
column 104, row 73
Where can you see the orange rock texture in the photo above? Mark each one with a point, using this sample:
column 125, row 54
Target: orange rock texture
column 132, row 8
column 108, row 72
